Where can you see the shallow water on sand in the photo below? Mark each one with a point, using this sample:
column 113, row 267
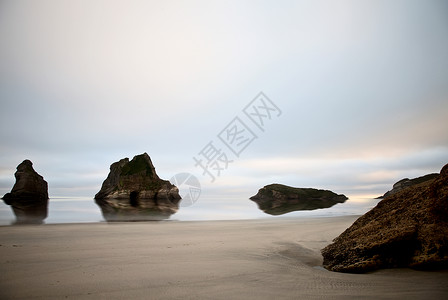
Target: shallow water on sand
column 84, row 210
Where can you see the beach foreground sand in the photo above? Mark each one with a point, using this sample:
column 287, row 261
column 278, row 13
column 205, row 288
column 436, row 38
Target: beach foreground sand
column 253, row 259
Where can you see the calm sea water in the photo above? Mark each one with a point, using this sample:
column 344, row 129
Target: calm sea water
column 84, row 210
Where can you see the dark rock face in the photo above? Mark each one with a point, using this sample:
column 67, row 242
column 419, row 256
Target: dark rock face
column 278, row 199
column 406, row 182
column 133, row 192
column 407, row 229
column 29, row 195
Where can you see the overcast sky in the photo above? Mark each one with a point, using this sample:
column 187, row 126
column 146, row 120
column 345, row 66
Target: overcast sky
column 361, row 89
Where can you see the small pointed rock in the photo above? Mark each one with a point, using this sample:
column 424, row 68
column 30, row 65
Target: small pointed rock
column 29, row 195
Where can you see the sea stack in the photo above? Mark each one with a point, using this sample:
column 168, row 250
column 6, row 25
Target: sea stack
column 133, row 192
column 278, row 199
column 408, row 228
column 29, row 195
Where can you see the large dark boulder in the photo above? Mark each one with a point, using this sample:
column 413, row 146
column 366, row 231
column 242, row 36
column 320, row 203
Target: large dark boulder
column 133, row 192
column 278, row 199
column 29, row 195
column 406, row 229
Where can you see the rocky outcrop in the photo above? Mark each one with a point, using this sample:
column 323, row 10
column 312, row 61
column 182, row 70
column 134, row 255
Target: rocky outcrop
column 29, row 195
column 406, row 183
column 407, row 229
column 133, row 192
column 278, row 199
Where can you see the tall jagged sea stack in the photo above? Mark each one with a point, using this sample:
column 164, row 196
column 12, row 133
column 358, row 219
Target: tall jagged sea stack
column 133, row 192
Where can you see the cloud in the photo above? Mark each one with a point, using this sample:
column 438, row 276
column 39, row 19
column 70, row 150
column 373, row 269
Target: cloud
column 362, row 87
column 355, row 176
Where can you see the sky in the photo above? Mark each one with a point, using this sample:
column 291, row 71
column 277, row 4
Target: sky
column 355, row 92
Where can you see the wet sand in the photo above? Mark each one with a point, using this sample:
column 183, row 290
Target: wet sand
column 248, row 259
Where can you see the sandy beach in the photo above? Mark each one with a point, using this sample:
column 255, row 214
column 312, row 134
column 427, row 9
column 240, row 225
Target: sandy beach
column 248, row 259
